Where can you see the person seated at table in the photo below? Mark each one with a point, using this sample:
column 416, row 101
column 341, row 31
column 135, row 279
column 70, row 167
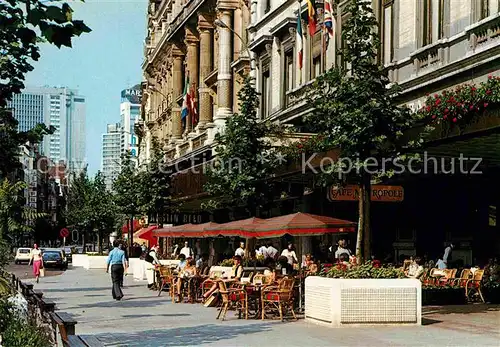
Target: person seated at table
column 202, row 263
column 182, row 264
column 311, row 266
column 237, row 270
column 344, row 260
column 416, row 269
column 188, row 272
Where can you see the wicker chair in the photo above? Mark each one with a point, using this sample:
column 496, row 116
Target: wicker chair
column 166, row 279
column 232, row 299
column 449, row 277
column 462, row 280
column 279, row 299
column 473, row 285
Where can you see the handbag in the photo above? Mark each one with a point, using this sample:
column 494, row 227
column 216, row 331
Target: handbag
column 42, row 272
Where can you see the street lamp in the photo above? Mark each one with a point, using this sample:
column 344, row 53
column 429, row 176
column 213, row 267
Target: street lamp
column 223, row 25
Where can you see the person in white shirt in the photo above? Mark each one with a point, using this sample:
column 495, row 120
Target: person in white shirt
column 187, row 251
column 290, row 254
column 447, row 254
column 342, row 249
column 270, row 251
column 241, row 250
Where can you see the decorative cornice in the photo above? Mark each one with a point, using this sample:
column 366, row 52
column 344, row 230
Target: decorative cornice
column 282, row 28
column 205, row 21
column 258, row 44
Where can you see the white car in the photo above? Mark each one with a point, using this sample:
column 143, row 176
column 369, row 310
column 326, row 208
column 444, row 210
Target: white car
column 22, row 255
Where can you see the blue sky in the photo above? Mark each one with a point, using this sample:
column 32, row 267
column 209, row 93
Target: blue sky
column 99, row 65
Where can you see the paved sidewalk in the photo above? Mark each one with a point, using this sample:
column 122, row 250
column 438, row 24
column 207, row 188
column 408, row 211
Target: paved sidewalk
column 143, row 319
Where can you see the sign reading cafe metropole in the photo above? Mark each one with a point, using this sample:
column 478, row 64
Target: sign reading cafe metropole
column 378, row 193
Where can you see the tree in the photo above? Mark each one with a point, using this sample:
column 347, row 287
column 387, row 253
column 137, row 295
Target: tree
column 355, row 111
column 14, row 215
column 25, row 24
column 245, row 160
column 154, row 185
column 127, row 192
column 90, row 208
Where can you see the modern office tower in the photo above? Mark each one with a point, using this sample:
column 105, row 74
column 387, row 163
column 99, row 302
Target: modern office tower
column 62, row 108
column 130, row 108
column 111, row 152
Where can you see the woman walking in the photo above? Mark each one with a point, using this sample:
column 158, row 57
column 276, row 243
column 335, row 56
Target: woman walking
column 37, row 259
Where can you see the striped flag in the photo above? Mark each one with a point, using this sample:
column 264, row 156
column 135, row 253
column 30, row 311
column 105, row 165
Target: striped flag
column 328, row 21
column 185, row 102
column 193, row 108
column 311, row 16
column 298, row 40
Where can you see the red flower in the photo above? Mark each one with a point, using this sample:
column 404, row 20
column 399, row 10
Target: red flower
column 490, row 77
column 473, row 89
column 445, row 117
column 433, row 116
column 488, row 92
column 446, row 110
column 438, row 101
column 471, row 107
column 455, row 120
column 428, row 108
column 485, row 104
column 436, row 96
column 300, row 145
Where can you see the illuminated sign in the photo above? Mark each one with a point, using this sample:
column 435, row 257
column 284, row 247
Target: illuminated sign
column 133, row 95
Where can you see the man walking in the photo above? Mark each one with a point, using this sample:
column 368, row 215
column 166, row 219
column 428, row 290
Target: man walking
column 116, row 259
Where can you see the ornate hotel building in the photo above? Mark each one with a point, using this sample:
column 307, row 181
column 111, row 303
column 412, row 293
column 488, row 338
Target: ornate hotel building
column 427, row 46
column 184, row 43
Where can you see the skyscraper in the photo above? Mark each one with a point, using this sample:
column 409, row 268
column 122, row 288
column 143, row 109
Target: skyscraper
column 120, row 137
column 62, row 108
column 130, row 108
column 111, row 151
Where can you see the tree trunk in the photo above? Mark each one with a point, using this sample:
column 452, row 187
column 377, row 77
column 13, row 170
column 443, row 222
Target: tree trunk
column 367, row 232
column 99, row 241
column 84, row 240
column 363, row 243
column 131, row 236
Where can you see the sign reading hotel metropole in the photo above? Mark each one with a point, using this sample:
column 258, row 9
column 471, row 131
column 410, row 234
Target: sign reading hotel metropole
column 378, row 193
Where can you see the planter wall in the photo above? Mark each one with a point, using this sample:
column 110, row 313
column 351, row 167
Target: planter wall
column 97, row 262
column 339, row 302
column 139, row 267
column 80, row 260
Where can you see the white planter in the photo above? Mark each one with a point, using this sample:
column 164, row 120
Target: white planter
column 340, row 302
column 97, row 262
column 80, row 260
column 139, row 267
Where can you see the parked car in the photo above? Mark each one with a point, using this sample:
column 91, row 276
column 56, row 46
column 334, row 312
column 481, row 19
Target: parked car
column 22, row 255
column 69, row 253
column 54, row 257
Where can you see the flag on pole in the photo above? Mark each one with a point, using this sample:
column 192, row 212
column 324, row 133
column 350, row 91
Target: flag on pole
column 185, row 102
column 193, row 108
column 298, row 40
column 311, row 16
column 329, row 18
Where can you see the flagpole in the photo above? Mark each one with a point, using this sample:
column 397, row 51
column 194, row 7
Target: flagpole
column 323, row 41
column 299, row 15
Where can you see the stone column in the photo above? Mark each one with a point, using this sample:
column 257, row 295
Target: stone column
column 206, row 67
column 192, row 44
column 178, row 56
column 224, row 76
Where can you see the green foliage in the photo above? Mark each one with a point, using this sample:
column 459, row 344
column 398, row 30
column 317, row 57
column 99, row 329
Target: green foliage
column 245, row 158
column 18, row 332
column 5, row 254
column 89, row 206
column 226, row 263
column 14, row 215
column 354, row 107
column 127, row 188
column 154, row 183
column 26, row 23
column 366, row 270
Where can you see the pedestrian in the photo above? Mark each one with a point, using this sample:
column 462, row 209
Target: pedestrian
column 123, row 247
column 447, row 255
column 289, row 253
column 37, row 258
column 117, row 262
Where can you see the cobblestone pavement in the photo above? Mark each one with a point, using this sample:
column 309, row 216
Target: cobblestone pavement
column 25, row 271
column 143, row 319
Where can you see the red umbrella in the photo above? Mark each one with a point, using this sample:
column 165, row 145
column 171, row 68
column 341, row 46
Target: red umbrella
column 170, row 231
column 233, row 228
column 146, row 234
column 298, row 224
column 197, row 230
